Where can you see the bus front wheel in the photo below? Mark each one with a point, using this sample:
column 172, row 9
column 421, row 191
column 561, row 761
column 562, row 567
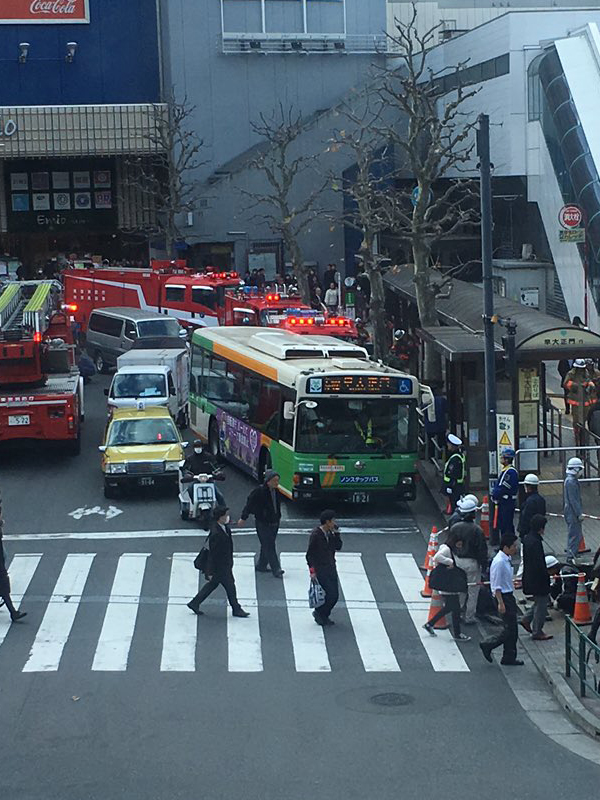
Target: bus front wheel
column 213, row 439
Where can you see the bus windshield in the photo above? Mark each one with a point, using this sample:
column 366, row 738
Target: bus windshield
column 158, row 327
column 351, row 425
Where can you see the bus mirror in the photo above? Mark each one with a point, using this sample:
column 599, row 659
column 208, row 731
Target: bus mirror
column 310, row 404
column 289, row 411
column 428, row 402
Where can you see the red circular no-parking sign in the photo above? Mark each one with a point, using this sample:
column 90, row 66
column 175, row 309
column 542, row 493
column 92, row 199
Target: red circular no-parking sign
column 570, row 217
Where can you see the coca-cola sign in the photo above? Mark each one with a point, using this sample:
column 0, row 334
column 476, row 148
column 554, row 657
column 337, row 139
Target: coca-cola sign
column 44, row 11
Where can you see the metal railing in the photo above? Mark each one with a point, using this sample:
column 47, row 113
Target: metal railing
column 551, row 420
column 304, row 43
column 582, row 657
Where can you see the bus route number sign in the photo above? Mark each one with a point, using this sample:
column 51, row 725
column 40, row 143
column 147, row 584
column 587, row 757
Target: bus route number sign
column 359, row 384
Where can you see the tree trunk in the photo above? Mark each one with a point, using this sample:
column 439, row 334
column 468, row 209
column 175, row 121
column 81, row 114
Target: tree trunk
column 427, row 310
column 298, row 268
column 381, row 338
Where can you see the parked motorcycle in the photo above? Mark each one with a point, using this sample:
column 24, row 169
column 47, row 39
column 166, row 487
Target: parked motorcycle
column 199, row 502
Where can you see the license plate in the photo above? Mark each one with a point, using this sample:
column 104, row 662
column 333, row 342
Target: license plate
column 19, row 419
column 360, row 497
column 146, row 481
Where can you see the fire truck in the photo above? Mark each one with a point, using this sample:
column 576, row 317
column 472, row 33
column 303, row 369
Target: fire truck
column 250, row 306
column 41, row 390
column 196, row 299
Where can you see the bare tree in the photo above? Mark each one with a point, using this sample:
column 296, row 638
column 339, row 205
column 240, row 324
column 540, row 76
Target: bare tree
column 284, row 206
column 364, row 184
column 164, row 181
column 432, row 138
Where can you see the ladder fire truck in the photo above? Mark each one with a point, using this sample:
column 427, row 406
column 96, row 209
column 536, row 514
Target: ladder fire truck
column 41, row 391
column 196, row 299
column 250, row 306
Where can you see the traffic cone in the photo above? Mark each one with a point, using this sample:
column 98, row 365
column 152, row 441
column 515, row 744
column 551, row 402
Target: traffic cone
column 582, row 614
column 583, row 548
column 430, row 553
column 426, row 591
column 436, row 603
column 485, row 517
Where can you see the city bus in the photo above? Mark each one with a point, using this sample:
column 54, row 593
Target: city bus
column 332, row 423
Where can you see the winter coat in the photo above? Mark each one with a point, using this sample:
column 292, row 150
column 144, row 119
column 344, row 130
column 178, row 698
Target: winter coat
column 536, row 580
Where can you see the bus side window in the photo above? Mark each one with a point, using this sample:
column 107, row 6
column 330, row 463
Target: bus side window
column 196, row 370
column 286, row 430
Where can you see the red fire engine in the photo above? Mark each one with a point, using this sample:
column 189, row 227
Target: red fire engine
column 250, row 306
column 169, row 287
column 41, row 391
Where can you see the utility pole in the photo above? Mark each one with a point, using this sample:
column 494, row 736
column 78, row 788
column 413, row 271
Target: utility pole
column 483, row 151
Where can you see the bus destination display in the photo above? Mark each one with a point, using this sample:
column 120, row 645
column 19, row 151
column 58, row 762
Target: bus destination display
column 359, row 384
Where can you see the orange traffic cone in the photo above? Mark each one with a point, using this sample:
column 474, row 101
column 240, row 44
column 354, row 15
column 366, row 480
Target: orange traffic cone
column 426, row 591
column 583, row 548
column 431, row 548
column 582, row 615
column 485, row 517
column 437, row 603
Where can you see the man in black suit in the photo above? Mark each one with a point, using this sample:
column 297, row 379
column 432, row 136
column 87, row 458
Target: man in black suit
column 536, row 581
column 323, row 544
column 220, row 570
column 265, row 503
column 5, row 581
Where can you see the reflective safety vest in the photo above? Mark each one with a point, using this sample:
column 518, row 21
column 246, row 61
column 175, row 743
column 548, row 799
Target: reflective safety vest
column 368, row 437
column 449, row 468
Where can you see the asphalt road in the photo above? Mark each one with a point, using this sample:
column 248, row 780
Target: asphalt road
column 265, row 709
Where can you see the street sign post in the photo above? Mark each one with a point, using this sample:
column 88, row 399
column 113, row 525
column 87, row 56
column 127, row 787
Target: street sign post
column 570, row 217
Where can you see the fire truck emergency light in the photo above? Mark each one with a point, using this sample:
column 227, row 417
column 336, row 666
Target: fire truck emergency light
column 273, row 297
column 37, row 337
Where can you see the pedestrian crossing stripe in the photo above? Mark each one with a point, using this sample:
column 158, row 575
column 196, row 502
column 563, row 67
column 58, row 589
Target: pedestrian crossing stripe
column 182, row 632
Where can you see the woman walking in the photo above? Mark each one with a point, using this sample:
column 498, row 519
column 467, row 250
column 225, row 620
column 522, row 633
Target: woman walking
column 450, row 575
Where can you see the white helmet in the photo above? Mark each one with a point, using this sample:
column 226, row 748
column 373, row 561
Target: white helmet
column 579, row 363
column 575, row 463
column 467, row 504
column 531, row 480
column 551, row 561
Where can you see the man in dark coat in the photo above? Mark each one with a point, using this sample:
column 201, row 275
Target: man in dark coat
column 536, row 580
column 534, row 504
column 265, row 503
column 323, row 544
column 5, row 581
column 220, row 547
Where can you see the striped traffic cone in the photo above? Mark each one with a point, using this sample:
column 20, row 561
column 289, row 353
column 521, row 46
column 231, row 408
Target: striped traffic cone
column 427, row 591
column 583, row 548
column 485, row 517
column 431, row 548
column 582, row 614
column 436, row 604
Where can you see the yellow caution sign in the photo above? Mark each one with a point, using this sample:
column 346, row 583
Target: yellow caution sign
column 505, row 441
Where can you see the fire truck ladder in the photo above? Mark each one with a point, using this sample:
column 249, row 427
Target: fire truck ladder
column 26, row 305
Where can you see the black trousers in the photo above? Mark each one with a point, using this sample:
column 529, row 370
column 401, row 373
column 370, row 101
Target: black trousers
column 8, row 603
column 267, row 534
column 509, row 634
column 451, row 606
column 328, row 578
column 224, row 579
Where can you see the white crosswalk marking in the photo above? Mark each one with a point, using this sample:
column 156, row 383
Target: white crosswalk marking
column 21, row 571
column 54, row 631
column 308, row 641
column 441, row 650
column 181, row 625
column 243, row 635
column 371, row 636
column 112, row 652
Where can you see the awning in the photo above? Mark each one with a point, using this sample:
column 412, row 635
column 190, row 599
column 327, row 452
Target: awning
column 455, row 344
column 98, row 130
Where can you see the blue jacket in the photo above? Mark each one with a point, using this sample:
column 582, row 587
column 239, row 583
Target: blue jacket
column 507, row 487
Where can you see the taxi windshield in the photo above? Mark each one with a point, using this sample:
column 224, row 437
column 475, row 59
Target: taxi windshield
column 125, row 432
column 140, row 385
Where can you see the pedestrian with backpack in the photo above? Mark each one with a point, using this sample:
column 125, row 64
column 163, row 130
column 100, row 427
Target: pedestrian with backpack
column 218, row 564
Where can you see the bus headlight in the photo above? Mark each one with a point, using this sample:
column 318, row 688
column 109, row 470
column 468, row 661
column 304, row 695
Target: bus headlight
column 408, row 481
column 307, row 480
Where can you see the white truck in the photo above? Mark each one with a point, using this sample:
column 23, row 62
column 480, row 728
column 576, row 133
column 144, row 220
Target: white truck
column 154, row 377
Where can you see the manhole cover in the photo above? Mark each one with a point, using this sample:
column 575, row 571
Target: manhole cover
column 391, row 699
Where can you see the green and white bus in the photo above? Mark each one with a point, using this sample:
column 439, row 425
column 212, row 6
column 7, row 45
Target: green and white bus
column 334, row 424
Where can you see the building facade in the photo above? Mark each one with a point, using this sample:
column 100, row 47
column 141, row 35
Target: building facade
column 81, row 80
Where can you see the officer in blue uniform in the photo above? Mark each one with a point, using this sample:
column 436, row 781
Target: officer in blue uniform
column 505, row 493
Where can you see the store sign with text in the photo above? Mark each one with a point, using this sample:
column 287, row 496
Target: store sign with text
column 44, row 11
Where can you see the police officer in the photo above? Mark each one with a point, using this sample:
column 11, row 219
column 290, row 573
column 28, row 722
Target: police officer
column 454, row 472
column 505, row 493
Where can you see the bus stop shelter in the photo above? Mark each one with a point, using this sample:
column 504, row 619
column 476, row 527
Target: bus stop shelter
column 525, row 415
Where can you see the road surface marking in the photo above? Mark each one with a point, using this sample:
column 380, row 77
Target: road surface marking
column 181, row 624
column 58, row 620
column 371, row 636
column 243, row 635
column 112, row 652
column 21, row 571
column 308, row 641
column 441, row 650
column 86, row 511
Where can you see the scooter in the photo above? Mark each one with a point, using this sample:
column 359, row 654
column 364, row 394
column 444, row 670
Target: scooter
column 204, row 496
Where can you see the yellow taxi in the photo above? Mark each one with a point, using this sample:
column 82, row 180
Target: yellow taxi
column 142, row 447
